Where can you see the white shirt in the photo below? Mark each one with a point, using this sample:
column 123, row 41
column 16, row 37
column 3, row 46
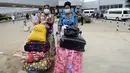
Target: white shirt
column 13, row 17
column 34, row 19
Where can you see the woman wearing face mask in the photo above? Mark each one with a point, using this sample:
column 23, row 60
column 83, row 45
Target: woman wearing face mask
column 67, row 61
column 68, row 17
column 48, row 20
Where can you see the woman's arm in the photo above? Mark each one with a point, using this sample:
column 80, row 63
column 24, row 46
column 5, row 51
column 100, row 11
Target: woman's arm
column 60, row 24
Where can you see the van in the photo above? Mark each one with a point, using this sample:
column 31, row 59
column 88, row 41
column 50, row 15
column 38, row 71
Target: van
column 88, row 12
column 117, row 14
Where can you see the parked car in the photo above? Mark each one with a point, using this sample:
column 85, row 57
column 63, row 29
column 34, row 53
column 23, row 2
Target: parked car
column 117, row 14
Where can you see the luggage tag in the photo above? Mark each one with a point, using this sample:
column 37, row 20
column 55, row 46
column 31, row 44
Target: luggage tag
column 70, row 67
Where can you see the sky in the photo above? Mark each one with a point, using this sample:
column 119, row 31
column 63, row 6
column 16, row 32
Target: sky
column 88, row 0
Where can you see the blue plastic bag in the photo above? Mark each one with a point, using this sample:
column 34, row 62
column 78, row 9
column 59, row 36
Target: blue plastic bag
column 29, row 71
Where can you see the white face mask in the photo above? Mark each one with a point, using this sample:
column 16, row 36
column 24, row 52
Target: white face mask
column 67, row 10
column 46, row 11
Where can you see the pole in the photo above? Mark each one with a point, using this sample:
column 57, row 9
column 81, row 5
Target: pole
column 57, row 7
column 129, row 27
column 82, row 5
column 99, row 5
column 117, row 29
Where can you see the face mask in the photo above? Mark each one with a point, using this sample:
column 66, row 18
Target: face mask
column 46, row 11
column 67, row 10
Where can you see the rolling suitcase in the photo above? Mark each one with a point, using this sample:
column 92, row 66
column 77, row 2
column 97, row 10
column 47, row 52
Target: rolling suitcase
column 75, row 43
column 67, row 61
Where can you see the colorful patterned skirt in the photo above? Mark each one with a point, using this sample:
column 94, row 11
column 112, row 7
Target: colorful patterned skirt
column 67, row 61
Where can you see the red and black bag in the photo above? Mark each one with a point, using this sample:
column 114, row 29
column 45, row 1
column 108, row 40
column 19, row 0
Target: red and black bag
column 37, row 46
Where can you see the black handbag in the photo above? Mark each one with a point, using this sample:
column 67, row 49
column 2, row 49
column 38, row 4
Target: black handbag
column 75, row 43
column 71, row 31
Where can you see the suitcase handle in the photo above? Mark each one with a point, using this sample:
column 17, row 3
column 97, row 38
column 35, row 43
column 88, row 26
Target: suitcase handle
column 58, row 35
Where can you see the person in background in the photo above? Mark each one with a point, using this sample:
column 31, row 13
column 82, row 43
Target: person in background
column 77, row 14
column 27, row 16
column 101, row 15
column 82, row 18
column 93, row 15
column 97, row 15
column 34, row 19
column 13, row 18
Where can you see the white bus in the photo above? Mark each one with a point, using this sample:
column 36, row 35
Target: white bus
column 117, row 14
column 88, row 12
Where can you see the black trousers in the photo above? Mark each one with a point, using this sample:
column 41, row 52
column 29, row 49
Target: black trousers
column 82, row 20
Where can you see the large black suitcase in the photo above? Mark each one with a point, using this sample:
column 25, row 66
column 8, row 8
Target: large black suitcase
column 73, row 43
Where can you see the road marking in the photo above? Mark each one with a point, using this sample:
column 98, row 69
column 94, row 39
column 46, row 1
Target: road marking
column 19, row 51
column 2, row 53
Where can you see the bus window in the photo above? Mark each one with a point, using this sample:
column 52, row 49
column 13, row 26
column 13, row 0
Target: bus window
column 86, row 12
column 115, row 12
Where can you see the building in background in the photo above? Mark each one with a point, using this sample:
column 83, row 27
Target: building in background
column 52, row 3
column 59, row 4
column 104, row 5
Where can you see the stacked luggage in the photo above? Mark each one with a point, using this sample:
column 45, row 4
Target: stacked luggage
column 69, row 51
column 37, row 51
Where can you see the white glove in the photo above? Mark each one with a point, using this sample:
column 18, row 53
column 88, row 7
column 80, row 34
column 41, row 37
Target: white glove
column 44, row 22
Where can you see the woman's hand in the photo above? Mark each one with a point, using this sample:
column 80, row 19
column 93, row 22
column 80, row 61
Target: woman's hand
column 59, row 28
column 44, row 22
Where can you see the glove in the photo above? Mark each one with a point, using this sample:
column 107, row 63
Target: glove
column 44, row 22
column 57, row 32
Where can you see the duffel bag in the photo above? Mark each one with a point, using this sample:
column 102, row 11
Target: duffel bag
column 30, row 57
column 71, row 31
column 75, row 43
column 38, row 33
column 37, row 46
column 42, row 65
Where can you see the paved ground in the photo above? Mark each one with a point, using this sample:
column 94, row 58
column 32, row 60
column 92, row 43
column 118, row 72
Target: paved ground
column 107, row 51
column 12, row 36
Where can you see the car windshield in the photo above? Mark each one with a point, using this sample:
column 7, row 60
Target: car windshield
column 105, row 12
